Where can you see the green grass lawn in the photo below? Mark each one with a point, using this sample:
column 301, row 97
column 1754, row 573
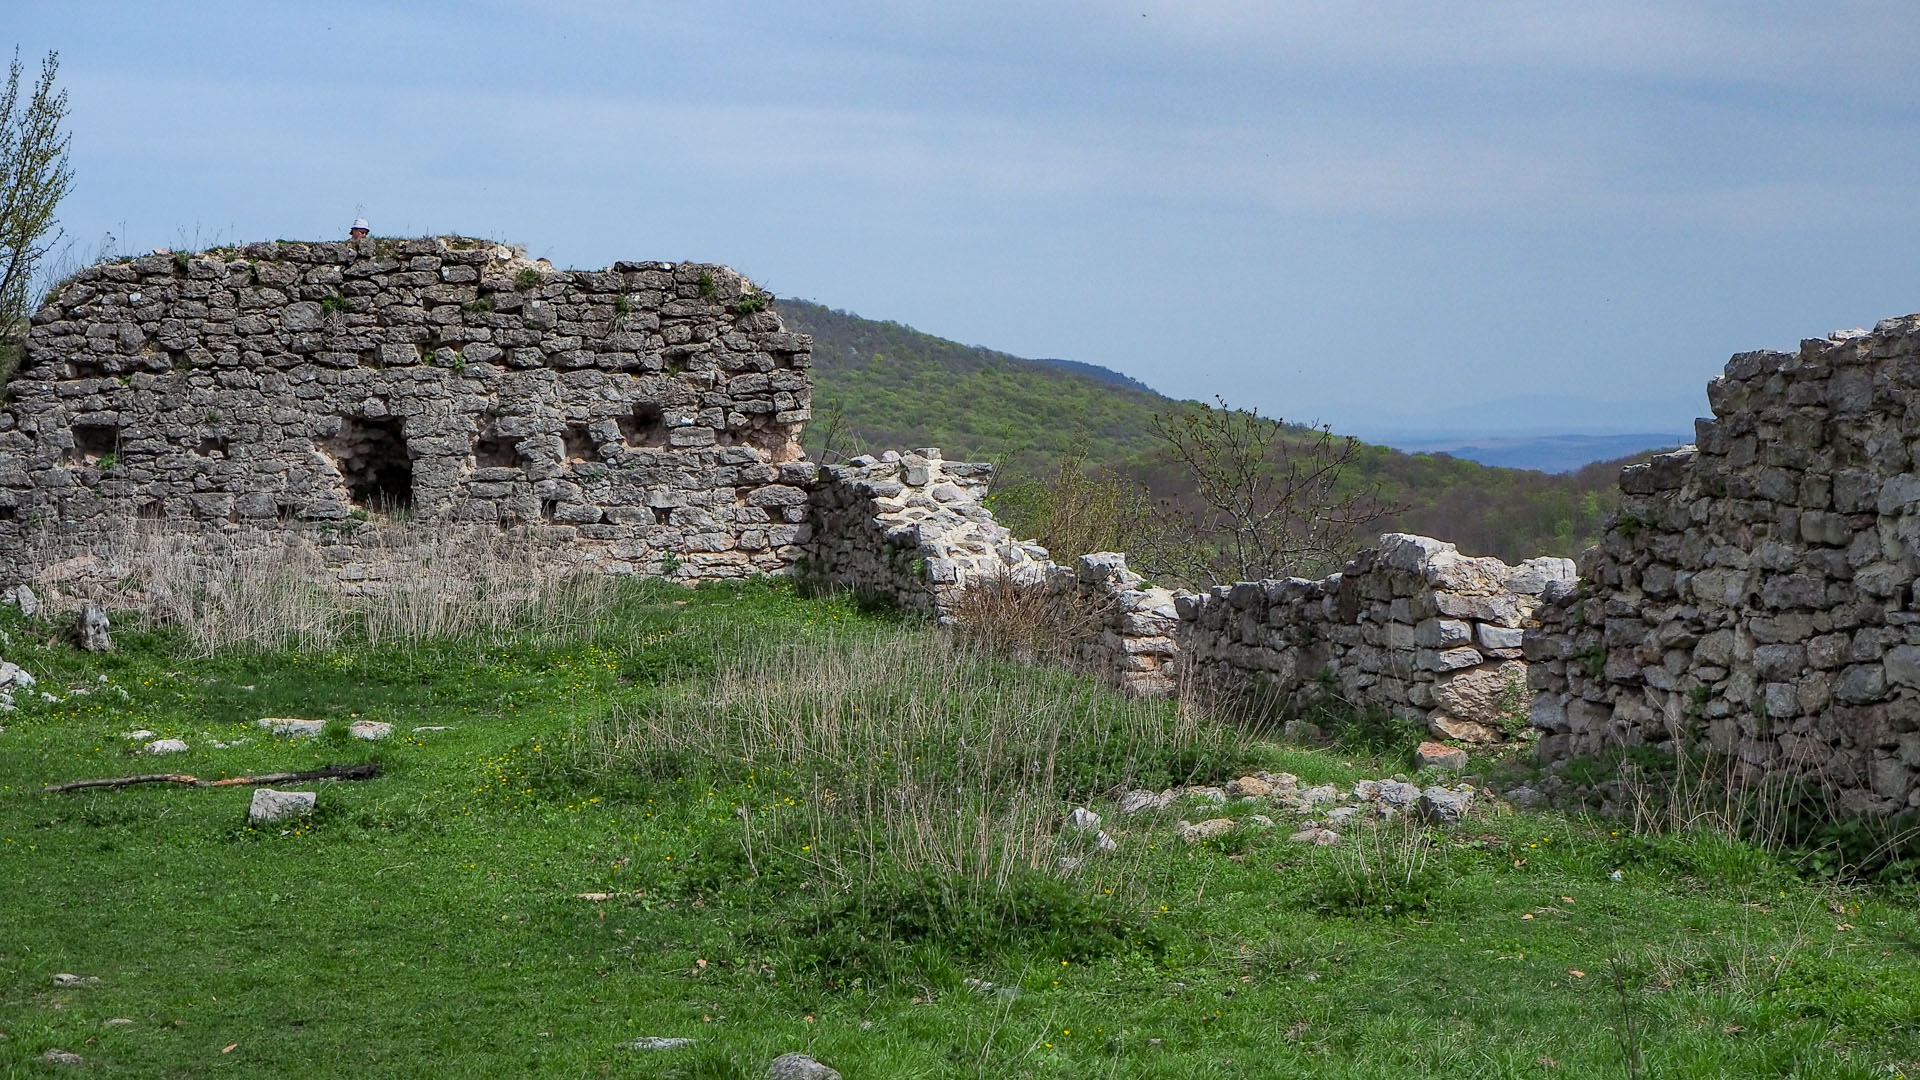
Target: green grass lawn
column 428, row 922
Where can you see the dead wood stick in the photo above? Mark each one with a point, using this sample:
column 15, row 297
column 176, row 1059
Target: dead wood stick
column 331, row 772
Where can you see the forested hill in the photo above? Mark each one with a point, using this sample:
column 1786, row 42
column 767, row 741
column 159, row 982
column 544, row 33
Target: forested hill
column 894, row 386
column 881, row 385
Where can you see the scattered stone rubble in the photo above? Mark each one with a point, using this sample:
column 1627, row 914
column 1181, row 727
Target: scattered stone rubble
column 1755, row 594
column 1322, row 809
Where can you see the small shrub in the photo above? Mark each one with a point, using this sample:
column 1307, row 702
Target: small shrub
column 479, row 306
column 1389, row 871
column 528, row 278
column 868, row 928
column 333, row 303
column 622, row 306
column 180, row 261
column 708, row 290
column 754, row 302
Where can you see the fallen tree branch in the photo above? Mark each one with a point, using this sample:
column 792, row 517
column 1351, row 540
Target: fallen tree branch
column 331, row 772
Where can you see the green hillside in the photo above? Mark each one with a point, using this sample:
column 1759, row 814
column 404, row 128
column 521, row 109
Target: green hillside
column 883, row 385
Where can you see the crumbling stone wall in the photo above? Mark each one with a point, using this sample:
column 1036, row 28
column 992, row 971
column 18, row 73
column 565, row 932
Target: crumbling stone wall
column 643, row 418
column 912, row 529
column 1755, row 594
column 1410, row 626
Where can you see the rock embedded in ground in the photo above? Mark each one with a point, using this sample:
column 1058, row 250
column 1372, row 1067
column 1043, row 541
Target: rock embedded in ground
column 142, row 733
column 1206, row 793
column 1526, row 798
column 1249, row 787
column 13, row 675
column 1445, row 806
column 62, row 1057
column 656, row 1042
column 1083, row 820
column 291, row 726
column 371, row 730
column 1320, row 796
column 165, row 746
column 90, row 628
column 1315, row 835
column 1303, row 731
column 22, row 597
column 269, row 806
column 1210, row 829
column 67, row 979
column 1399, row 793
column 1433, row 755
column 119, row 1021
column 799, row 1067
column 1105, row 842
column 1135, row 802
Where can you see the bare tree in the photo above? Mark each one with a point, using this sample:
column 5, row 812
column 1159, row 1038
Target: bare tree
column 1268, row 499
column 34, row 177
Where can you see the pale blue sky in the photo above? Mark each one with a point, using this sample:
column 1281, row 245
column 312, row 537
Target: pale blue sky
column 1331, row 210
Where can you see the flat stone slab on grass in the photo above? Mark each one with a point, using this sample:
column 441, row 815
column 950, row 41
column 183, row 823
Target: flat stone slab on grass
column 269, row 806
column 165, row 746
column 372, row 730
column 799, row 1067
column 291, row 726
column 656, row 1042
column 1433, row 755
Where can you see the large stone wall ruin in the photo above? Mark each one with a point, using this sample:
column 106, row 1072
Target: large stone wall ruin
column 642, row 418
column 1755, row 595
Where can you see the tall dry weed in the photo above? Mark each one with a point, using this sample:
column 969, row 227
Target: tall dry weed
column 406, row 582
column 914, row 748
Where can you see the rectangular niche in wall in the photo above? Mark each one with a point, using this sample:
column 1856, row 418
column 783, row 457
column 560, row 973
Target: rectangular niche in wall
column 580, row 444
column 495, row 451
column 374, row 462
column 92, row 442
column 646, row 427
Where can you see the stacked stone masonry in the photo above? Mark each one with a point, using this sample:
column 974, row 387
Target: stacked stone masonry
column 643, row 418
column 1755, row 594
column 1411, row 627
column 912, row 529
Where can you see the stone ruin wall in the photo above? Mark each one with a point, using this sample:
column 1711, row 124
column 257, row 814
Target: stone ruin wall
column 912, row 529
column 1410, row 627
column 1755, row 594
column 643, row 418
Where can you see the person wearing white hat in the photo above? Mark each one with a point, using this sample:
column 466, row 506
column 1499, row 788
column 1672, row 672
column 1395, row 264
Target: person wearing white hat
column 359, row 230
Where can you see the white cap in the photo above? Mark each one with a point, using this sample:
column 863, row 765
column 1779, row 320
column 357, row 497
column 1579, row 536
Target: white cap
column 359, row 223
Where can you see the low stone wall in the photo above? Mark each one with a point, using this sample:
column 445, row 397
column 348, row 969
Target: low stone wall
column 1755, row 594
column 1410, row 626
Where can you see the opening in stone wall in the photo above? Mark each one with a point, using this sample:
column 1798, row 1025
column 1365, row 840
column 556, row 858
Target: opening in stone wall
column 579, row 444
column 646, row 427
column 491, row 451
column 92, row 442
column 210, row 446
column 374, row 462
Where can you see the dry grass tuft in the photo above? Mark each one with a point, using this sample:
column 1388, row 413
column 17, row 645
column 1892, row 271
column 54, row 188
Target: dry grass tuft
column 407, row 582
column 915, row 748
